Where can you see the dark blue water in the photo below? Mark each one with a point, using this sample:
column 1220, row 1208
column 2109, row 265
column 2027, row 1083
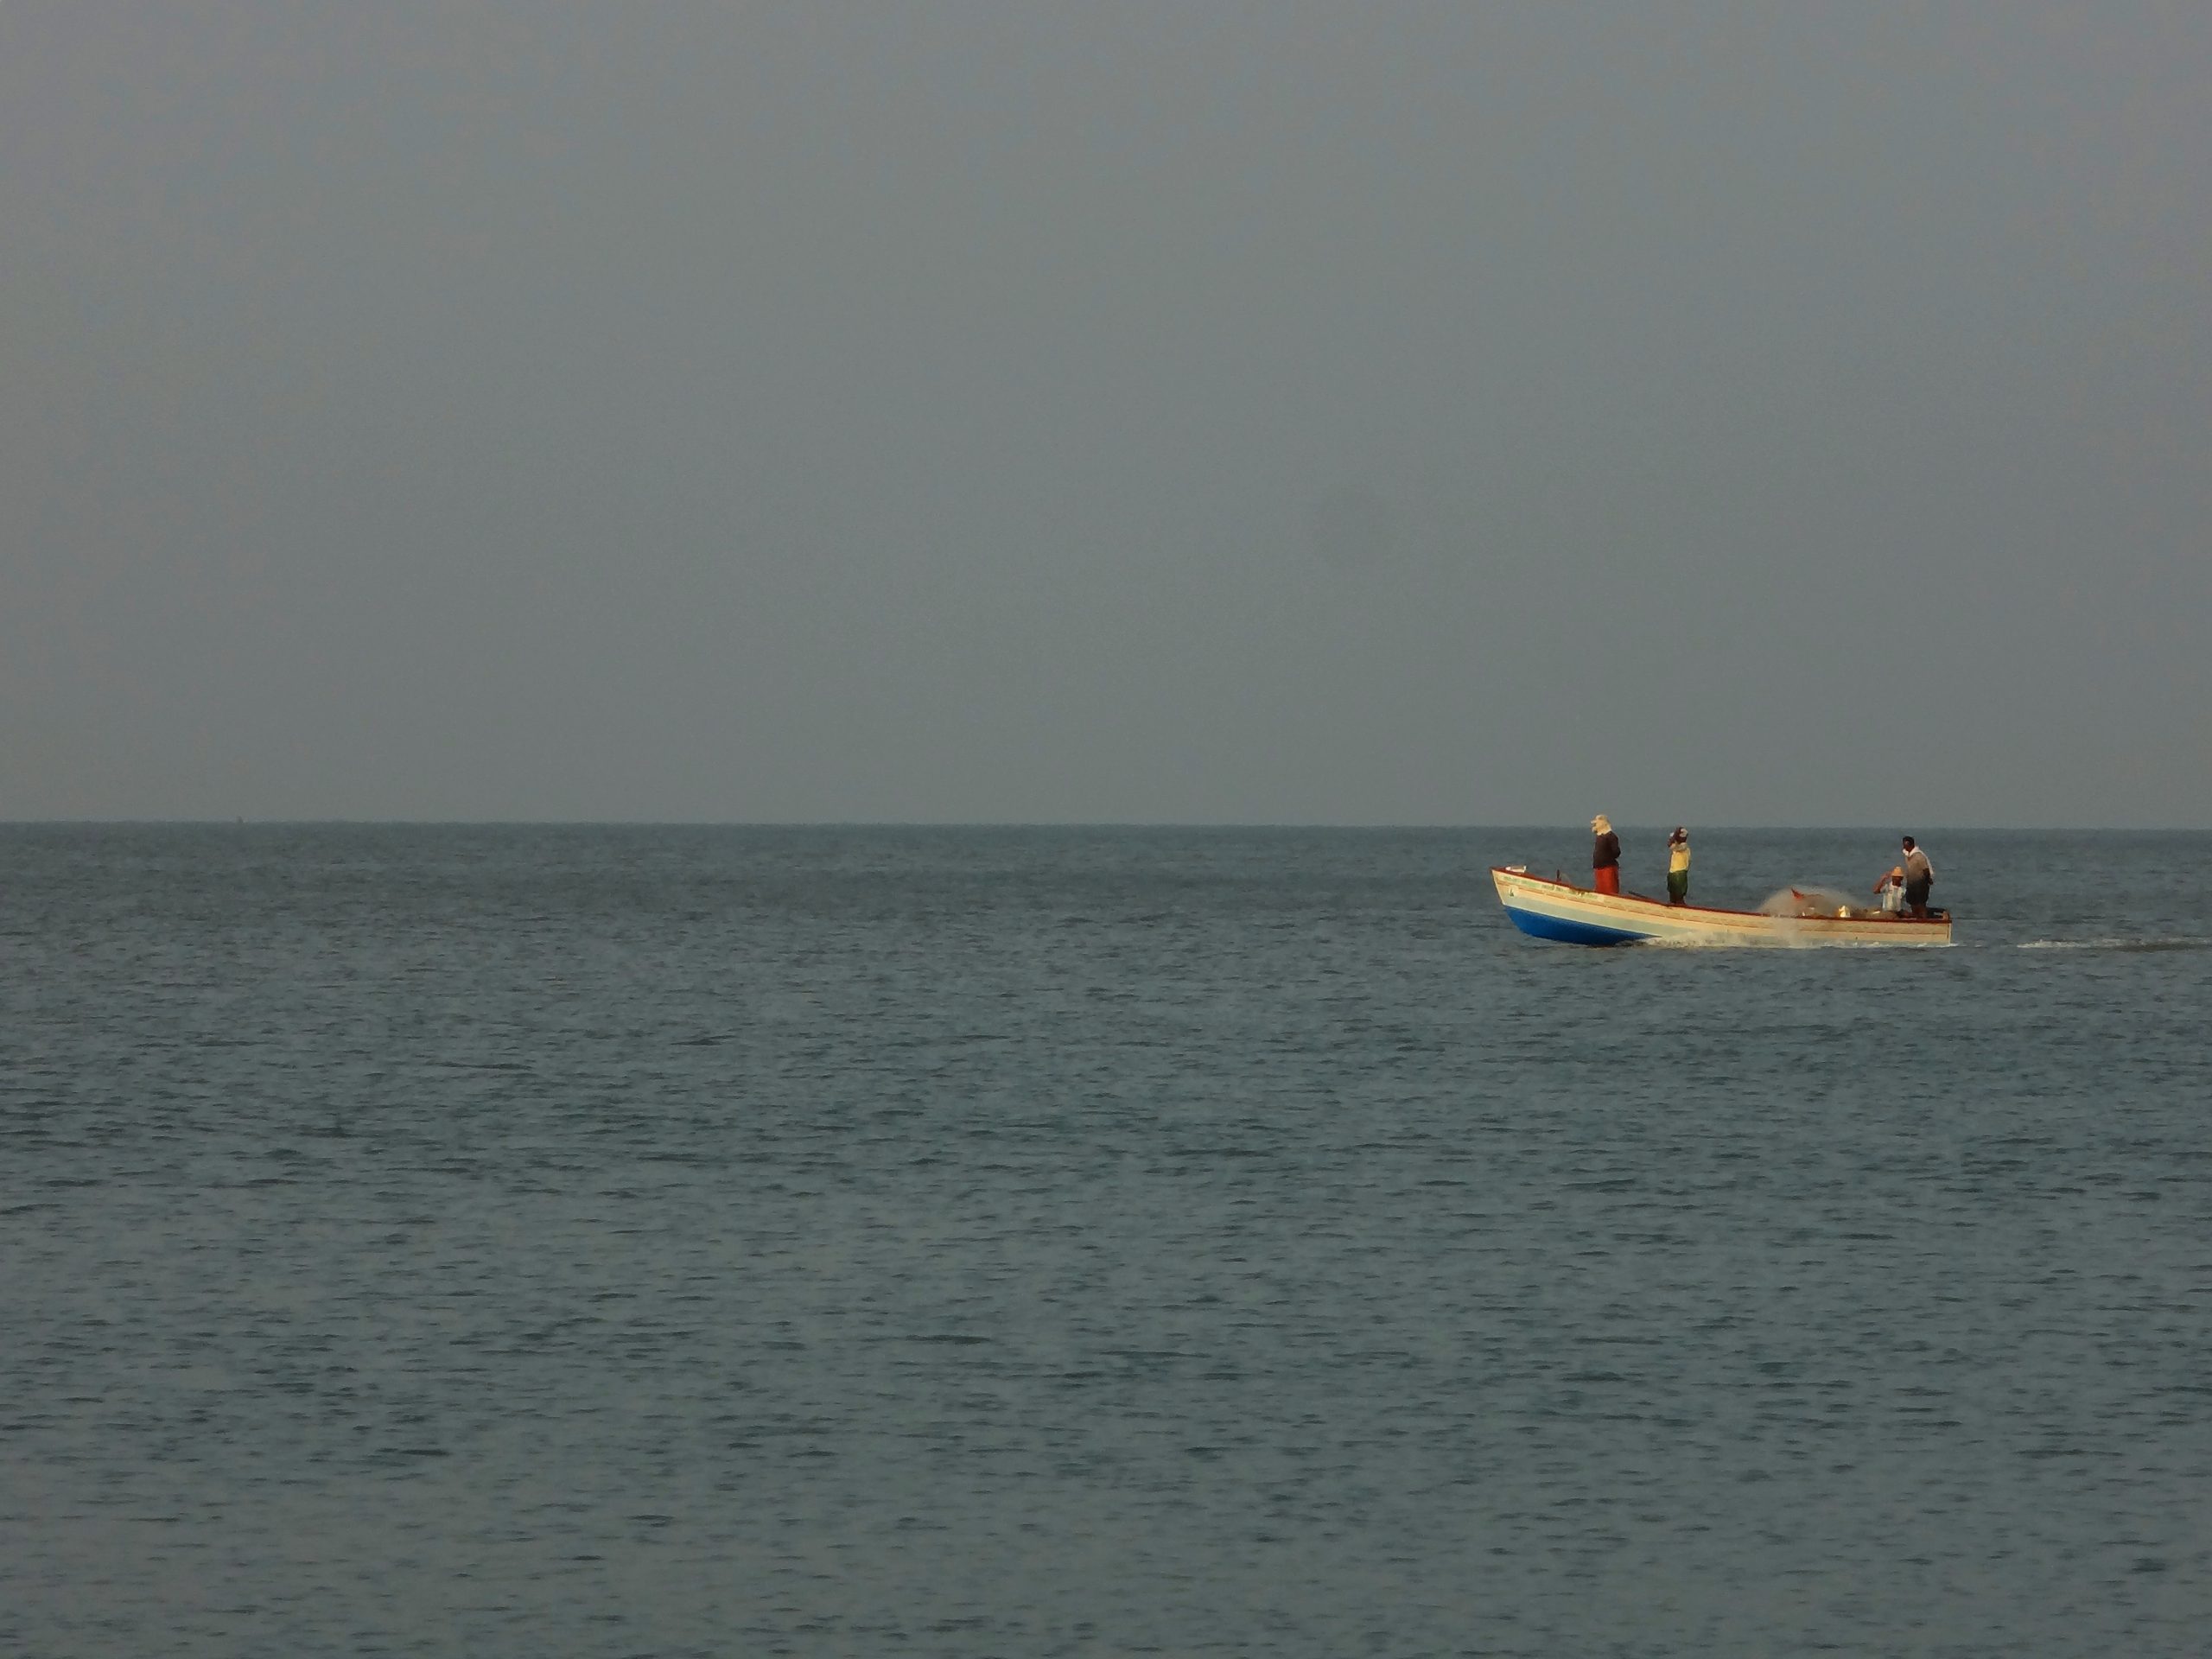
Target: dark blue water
column 513, row 1240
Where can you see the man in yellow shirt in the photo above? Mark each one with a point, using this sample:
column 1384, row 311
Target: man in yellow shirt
column 1678, row 866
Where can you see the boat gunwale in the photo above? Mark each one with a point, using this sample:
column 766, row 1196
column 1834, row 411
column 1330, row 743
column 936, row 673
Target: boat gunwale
column 1943, row 920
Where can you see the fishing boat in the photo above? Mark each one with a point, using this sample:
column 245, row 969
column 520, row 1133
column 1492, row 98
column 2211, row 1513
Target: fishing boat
column 1547, row 909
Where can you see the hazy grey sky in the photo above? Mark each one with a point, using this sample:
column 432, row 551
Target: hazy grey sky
column 1224, row 410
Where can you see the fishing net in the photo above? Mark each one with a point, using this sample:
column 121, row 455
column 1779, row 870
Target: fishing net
column 1806, row 901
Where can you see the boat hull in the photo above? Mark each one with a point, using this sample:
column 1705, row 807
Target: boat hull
column 1551, row 910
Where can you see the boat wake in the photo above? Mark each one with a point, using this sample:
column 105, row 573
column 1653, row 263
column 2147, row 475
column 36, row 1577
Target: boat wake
column 2185, row 942
column 1788, row 938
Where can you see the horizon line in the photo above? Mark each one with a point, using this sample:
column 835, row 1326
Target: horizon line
column 92, row 822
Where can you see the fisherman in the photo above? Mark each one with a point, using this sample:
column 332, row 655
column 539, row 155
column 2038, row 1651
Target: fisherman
column 1891, row 887
column 1678, row 866
column 1605, row 855
column 1919, row 876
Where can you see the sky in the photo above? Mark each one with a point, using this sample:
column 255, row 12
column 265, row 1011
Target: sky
column 1250, row 411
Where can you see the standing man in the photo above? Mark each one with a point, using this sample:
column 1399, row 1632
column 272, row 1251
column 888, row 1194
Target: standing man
column 1919, row 876
column 1678, row 866
column 1605, row 855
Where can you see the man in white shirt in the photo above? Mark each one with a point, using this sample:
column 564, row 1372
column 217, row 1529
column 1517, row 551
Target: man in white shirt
column 1890, row 889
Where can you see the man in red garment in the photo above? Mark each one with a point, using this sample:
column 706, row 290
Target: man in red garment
column 1605, row 855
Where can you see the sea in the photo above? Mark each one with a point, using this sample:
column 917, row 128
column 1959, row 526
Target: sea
column 546, row 1241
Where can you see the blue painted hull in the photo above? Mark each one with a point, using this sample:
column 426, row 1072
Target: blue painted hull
column 1566, row 933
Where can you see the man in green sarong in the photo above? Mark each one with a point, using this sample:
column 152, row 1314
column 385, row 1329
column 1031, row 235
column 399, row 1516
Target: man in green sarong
column 1678, row 866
